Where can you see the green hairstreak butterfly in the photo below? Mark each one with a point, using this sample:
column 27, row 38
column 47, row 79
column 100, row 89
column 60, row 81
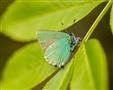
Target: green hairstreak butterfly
column 57, row 45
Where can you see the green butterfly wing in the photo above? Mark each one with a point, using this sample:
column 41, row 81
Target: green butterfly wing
column 46, row 38
column 58, row 53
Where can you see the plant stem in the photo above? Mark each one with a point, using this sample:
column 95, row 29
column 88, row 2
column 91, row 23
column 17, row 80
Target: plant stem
column 96, row 22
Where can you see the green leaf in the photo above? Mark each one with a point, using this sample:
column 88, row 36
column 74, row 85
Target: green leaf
column 23, row 18
column 26, row 68
column 90, row 70
column 111, row 19
column 61, row 80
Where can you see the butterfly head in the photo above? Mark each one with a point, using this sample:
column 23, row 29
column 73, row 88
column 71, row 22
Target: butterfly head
column 78, row 39
column 71, row 34
column 74, row 41
column 74, row 38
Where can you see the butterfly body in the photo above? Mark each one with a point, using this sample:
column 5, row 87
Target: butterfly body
column 57, row 45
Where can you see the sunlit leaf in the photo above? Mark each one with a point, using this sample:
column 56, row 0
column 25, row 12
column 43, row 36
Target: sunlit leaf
column 26, row 68
column 23, row 18
column 111, row 19
column 90, row 70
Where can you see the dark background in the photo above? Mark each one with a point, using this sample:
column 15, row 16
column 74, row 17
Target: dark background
column 102, row 33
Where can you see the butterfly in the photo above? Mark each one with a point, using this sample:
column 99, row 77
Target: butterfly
column 58, row 46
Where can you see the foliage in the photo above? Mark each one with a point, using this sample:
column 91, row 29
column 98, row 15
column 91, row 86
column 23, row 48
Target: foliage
column 26, row 68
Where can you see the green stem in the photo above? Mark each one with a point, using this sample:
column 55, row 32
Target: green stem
column 96, row 22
